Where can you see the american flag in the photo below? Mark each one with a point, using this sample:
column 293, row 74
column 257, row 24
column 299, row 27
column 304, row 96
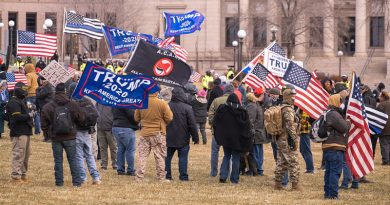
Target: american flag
column 276, row 48
column 311, row 97
column 13, row 78
column 35, row 44
column 75, row 23
column 359, row 151
column 169, row 43
column 195, row 77
column 376, row 120
column 259, row 76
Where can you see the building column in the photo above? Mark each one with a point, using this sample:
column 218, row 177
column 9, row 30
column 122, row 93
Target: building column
column 272, row 19
column 21, row 21
column 244, row 25
column 4, row 32
column 300, row 39
column 361, row 28
column 40, row 22
column 329, row 31
column 387, row 34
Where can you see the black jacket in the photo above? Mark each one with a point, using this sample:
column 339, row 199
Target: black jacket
column 369, row 99
column 199, row 106
column 216, row 92
column 338, row 130
column 256, row 117
column 20, row 123
column 232, row 128
column 105, row 119
column 183, row 123
column 45, row 94
column 83, row 103
column 124, row 117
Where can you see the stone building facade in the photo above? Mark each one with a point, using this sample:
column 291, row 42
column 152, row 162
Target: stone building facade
column 356, row 27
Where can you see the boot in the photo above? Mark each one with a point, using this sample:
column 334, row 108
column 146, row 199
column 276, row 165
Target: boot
column 296, row 187
column 278, row 186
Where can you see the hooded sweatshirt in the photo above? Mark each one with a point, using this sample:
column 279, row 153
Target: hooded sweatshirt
column 32, row 80
column 199, row 106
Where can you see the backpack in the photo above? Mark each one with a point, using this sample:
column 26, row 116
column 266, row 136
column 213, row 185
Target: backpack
column 91, row 116
column 273, row 121
column 63, row 123
column 319, row 132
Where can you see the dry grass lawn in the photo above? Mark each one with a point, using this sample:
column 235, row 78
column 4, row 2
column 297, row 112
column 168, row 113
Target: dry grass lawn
column 201, row 189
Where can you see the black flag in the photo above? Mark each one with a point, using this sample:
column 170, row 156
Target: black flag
column 161, row 64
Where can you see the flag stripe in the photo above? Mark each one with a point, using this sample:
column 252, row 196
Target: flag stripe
column 34, row 44
column 75, row 23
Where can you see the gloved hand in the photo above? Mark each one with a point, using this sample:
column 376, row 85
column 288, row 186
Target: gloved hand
column 31, row 114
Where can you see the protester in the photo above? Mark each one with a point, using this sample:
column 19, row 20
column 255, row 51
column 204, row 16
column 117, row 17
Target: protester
column 215, row 92
column 178, row 133
column 237, row 91
column 229, row 89
column 206, row 80
column 45, row 94
column 384, row 139
column 256, row 116
column 304, row 142
column 334, row 147
column 20, row 125
column 105, row 136
column 123, row 128
column 378, row 91
column 327, row 84
column 199, row 106
column 19, row 62
column 4, row 97
column 154, row 120
column 190, row 91
column 32, row 83
column 40, row 64
column 288, row 143
column 59, row 119
column 233, row 132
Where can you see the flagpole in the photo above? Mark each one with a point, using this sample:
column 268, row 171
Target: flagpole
column 62, row 38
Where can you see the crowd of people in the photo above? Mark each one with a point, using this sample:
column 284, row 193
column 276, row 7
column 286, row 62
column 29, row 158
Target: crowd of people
column 235, row 112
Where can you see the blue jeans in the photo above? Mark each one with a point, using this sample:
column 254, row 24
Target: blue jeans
column 225, row 166
column 333, row 166
column 347, row 176
column 214, row 158
column 85, row 151
column 258, row 155
column 37, row 118
column 275, row 153
column 304, row 148
column 125, row 139
column 70, row 150
column 183, row 161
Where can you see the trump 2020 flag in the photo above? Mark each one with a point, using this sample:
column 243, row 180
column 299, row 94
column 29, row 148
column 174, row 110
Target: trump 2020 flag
column 130, row 91
column 121, row 41
column 179, row 24
column 163, row 65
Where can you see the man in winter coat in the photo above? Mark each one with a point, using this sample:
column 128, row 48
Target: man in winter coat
column 66, row 141
column 384, row 139
column 178, row 133
column 229, row 89
column 20, row 124
column 105, row 137
column 32, row 83
column 45, row 94
column 256, row 116
column 215, row 92
column 154, row 120
column 199, row 106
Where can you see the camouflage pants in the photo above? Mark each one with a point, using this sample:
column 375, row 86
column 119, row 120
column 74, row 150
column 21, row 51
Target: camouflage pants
column 156, row 144
column 287, row 160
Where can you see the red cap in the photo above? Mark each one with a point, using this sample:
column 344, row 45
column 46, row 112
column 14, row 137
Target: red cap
column 259, row 91
column 1, row 61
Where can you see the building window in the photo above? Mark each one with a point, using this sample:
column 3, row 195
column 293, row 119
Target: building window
column 31, row 22
column 260, row 32
column 377, row 31
column 231, row 29
column 317, row 32
column 53, row 17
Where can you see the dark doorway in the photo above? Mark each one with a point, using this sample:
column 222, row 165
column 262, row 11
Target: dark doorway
column 346, row 33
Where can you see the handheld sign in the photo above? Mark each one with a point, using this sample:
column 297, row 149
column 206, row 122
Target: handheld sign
column 55, row 73
column 106, row 88
column 275, row 63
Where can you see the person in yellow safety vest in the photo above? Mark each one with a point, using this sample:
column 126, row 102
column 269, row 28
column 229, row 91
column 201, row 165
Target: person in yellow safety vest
column 230, row 74
column 82, row 67
column 109, row 65
column 119, row 68
column 345, row 81
column 19, row 63
column 206, row 79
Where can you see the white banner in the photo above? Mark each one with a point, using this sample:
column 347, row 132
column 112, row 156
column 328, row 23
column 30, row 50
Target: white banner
column 55, row 73
column 275, row 63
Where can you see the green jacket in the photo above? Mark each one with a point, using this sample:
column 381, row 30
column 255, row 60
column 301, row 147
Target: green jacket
column 214, row 106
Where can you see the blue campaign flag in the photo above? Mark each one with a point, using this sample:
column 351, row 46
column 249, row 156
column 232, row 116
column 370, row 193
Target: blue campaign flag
column 121, row 41
column 126, row 91
column 179, row 24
